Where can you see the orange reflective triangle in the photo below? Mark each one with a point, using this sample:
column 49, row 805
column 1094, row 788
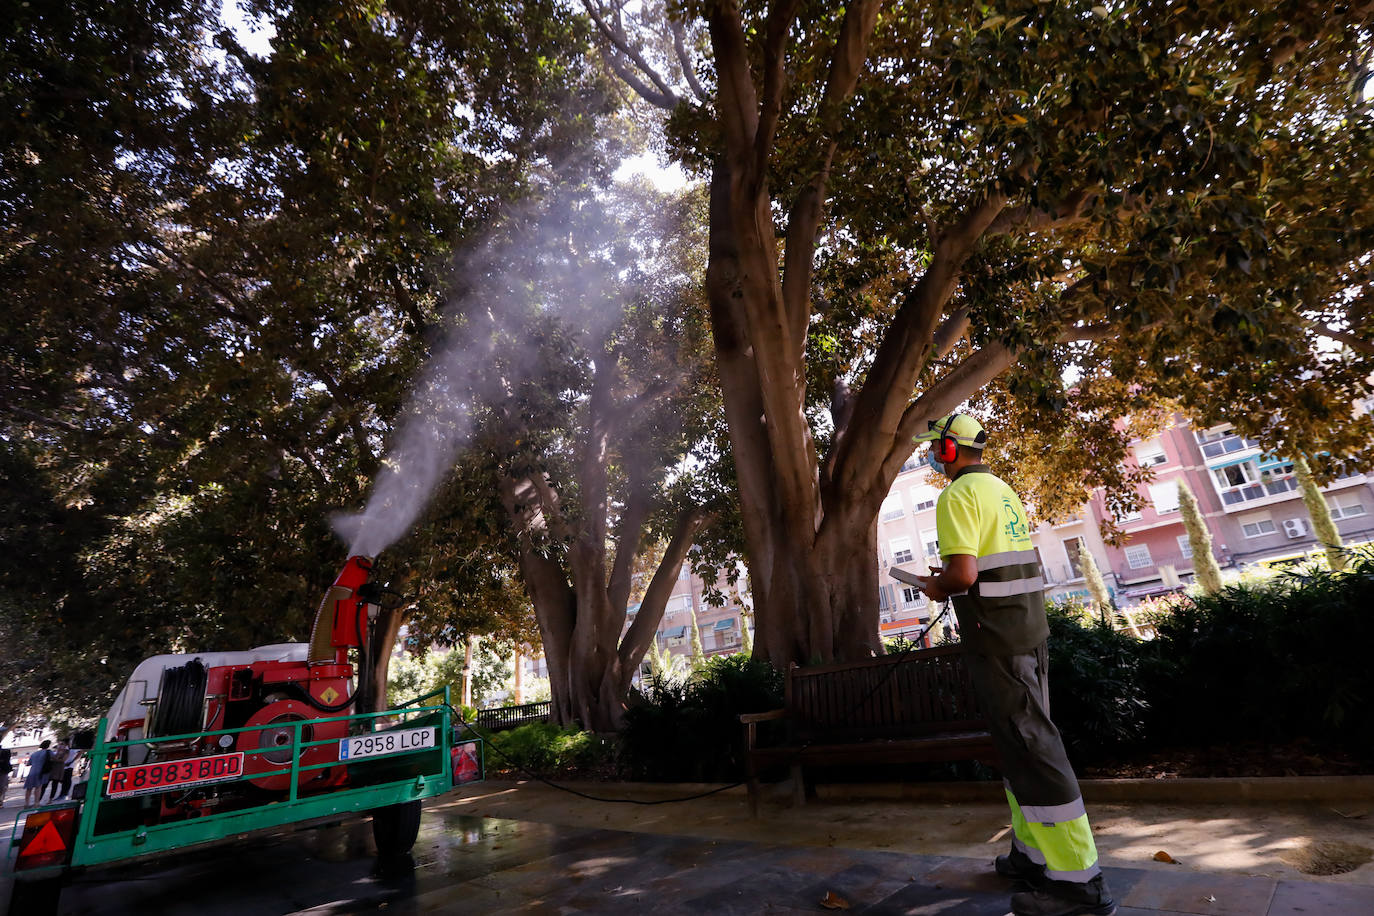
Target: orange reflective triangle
column 48, row 839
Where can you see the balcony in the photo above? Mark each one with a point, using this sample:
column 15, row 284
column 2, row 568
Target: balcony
column 1249, row 492
column 1059, row 574
column 1151, row 570
column 1226, row 445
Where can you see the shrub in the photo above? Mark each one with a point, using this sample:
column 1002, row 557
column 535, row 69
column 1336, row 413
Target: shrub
column 1096, row 698
column 542, row 749
column 690, row 731
column 1279, row 660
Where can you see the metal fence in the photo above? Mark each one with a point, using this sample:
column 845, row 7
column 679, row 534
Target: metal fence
column 500, row 718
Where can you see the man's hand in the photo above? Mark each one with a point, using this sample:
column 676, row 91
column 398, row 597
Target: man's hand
column 930, row 586
column 955, row 579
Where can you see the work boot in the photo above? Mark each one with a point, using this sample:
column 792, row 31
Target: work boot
column 1019, row 867
column 1065, row 898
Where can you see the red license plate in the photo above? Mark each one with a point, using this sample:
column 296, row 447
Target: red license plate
column 173, row 774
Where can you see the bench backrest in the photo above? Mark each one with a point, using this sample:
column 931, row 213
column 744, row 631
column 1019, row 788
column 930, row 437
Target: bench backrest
column 923, row 692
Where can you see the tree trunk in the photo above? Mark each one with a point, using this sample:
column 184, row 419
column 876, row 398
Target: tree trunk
column 388, row 626
column 582, row 608
column 468, row 645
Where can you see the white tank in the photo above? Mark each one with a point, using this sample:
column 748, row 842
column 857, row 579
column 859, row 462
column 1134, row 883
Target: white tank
column 135, row 699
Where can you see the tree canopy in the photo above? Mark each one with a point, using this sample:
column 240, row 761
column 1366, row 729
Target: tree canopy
column 919, row 204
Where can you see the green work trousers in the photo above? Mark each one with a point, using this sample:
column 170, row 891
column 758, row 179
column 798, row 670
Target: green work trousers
column 1047, row 812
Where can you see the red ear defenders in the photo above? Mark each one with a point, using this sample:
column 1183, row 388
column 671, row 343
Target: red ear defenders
column 946, row 448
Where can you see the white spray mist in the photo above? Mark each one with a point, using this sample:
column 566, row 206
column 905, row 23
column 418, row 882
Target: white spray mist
column 533, row 265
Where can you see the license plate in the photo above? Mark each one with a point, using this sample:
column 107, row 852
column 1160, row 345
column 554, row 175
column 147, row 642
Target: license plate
column 173, row 774
column 382, row 743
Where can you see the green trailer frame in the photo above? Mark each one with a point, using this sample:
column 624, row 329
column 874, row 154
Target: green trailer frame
column 373, row 783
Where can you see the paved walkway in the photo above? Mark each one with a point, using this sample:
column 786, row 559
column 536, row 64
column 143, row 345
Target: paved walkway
column 469, row 864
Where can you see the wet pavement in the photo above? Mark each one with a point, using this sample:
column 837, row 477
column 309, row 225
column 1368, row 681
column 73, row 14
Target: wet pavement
column 464, row 863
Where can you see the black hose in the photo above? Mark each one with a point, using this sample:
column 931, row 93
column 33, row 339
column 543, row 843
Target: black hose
column 180, row 700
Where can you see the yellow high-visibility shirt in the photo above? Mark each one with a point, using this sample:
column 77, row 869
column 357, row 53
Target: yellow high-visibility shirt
column 1003, row 613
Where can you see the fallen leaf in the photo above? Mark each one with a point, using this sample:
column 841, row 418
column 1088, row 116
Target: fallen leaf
column 1210, row 899
column 1163, row 856
column 833, row 901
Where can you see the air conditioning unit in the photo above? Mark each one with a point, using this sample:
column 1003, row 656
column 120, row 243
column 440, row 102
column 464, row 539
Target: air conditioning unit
column 1294, row 527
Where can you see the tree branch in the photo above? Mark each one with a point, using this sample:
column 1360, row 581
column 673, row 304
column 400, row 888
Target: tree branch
column 780, row 18
column 688, row 71
column 953, row 389
column 641, row 632
column 735, row 98
column 664, row 97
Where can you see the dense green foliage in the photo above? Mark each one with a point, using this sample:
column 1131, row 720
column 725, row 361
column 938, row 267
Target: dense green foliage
column 689, row 731
column 541, row 749
column 1096, row 697
column 1276, row 661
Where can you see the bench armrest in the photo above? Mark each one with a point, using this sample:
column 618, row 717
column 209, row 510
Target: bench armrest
column 751, row 717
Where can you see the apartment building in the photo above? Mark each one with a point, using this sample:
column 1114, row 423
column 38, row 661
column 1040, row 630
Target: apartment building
column 1250, row 500
column 720, row 627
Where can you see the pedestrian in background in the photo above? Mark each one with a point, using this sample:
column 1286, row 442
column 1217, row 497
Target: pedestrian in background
column 57, row 762
column 72, row 756
column 36, row 779
column 6, row 768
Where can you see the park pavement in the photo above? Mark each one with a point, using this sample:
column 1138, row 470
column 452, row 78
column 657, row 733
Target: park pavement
column 526, row 848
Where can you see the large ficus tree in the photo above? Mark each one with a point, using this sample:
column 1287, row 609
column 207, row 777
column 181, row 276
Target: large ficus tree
column 913, row 204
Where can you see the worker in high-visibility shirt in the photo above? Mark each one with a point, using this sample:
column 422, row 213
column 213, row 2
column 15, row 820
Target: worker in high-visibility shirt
column 992, row 572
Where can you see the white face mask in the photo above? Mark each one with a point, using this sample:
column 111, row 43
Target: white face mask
column 933, row 464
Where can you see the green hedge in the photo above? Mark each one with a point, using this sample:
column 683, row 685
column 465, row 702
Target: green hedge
column 1279, row 661
column 690, row 731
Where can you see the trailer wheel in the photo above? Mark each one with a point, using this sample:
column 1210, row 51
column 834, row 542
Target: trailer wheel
column 38, row 898
column 395, row 827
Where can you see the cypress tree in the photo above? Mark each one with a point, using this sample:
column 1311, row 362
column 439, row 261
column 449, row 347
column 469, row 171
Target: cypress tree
column 1323, row 526
column 1092, row 577
column 1206, row 572
column 698, row 650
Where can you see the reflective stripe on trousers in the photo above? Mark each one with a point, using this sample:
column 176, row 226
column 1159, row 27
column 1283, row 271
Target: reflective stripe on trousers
column 1066, row 848
column 1048, row 817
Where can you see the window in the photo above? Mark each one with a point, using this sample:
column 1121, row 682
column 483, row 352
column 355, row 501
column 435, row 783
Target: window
column 923, row 498
column 911, row 596
column 1258, row 528
column 1126, row 515
column 685, row 572
column 1234, row 475
column 910, row 465
column 1138, row 557
column 1150, row 454
column 901, row 550
column 1164, row 496
column 930, row 544
column 892, row 508
column 1185, row 547
column 885, row 597
column 1071, row 549
column 1348, row 506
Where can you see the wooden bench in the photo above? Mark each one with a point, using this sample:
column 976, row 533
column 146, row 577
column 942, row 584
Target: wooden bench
column 912, row 708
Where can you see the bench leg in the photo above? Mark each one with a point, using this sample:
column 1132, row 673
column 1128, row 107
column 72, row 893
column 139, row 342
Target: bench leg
column 798, row 786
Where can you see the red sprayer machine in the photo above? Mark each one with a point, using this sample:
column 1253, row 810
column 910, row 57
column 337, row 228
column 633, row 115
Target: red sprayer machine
column 197, row 748
column 265, row 689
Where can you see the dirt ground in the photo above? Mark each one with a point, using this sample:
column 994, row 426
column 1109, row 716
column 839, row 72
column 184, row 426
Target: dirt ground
column 1291, row 840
